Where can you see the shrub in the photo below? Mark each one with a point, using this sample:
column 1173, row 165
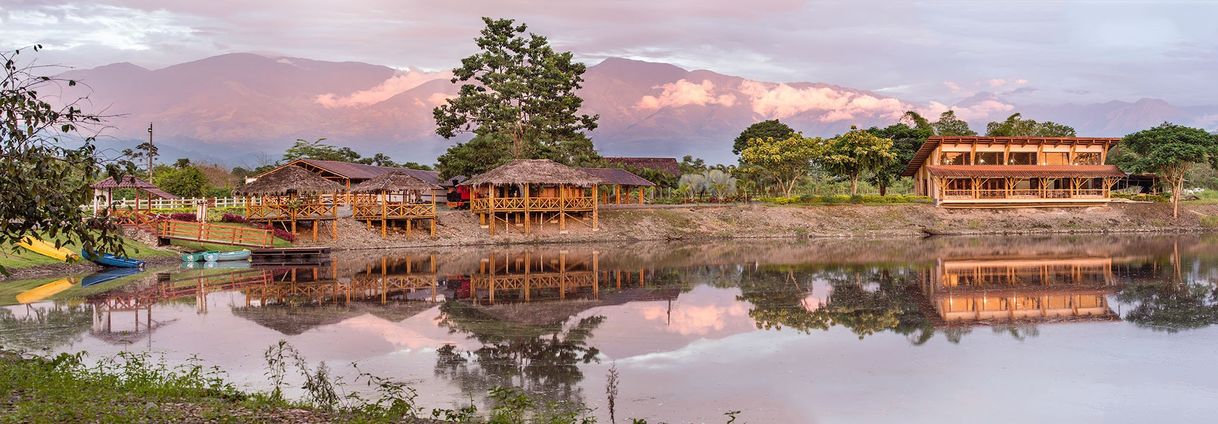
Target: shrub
column 181, row 216
column 279, row 232
column 229, row 217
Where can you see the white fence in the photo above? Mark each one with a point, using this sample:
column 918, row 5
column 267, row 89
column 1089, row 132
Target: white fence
column 179, row 203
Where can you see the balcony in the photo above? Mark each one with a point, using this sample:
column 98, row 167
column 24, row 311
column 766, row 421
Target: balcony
column 532, row 204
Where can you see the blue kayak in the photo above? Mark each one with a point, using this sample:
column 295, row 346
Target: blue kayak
column 107, row 275
column 108, row 260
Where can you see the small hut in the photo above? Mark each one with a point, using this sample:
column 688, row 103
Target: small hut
column 525, row 191
column 290, row 195
column 621, row 181
column 394, row 198
column 103, row 197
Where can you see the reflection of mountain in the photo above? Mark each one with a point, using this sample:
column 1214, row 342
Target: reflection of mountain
column 293, row 320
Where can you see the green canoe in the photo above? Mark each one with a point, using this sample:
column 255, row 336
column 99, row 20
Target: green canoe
column 194, row 257
column 239, row 255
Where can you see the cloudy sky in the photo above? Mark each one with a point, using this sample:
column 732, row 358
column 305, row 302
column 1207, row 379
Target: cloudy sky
column 1034, row 51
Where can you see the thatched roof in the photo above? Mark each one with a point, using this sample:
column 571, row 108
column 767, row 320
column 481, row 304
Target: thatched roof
column 393, row 181
column 533, row 171
column 289, row 179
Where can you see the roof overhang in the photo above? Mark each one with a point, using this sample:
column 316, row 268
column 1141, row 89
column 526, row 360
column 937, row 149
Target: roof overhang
column 931, row 143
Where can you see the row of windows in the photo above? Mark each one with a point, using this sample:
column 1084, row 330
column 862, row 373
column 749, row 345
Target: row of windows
column 1020, row 158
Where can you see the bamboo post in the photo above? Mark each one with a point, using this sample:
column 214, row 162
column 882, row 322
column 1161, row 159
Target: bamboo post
column 384, row 216
column 642, row 191
column 527, row 208
column 595, row 206
column 617, row 193
column 562, row 208
column 490, row 209
column 434, row 214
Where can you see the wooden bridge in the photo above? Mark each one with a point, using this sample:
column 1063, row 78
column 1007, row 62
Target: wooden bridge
column 207, row 232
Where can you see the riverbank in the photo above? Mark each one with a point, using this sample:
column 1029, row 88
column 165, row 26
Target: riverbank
column 757, row 221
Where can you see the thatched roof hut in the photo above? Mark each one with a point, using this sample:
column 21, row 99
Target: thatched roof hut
column 534, row 171
column 394, row 181
column 287, row 180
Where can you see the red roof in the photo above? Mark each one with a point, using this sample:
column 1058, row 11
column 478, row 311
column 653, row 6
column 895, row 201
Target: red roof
column 929, row 146
column 1024, row 171
column 617, row 176
column 130, row 181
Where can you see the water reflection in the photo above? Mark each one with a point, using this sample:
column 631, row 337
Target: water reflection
column 550, row 320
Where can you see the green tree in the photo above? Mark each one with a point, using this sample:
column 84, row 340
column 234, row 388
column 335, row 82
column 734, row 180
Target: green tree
column 692, row 165
column 949, row 125
column 480, row 154
column 516, row 85
column 416, row 165
column 304, row 149
column 1016, row 126
column 1168, row 150
column 379, row 159
column 186, row 181
column 784, row 161
column 762, row 130
column 47, row 160
column 906, row 139
column 854, row 154
column 576, row 150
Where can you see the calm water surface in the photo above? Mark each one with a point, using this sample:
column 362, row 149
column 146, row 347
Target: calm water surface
column 1081, row 329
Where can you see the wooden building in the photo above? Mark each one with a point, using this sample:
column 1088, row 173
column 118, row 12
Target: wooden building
column 527, row 192
column 668, row 166
column 140, row 215
column 1014, row 171
column 291, row 195
column 394, row 198
column 348, row 174
column 1021, row 289
column 621, row 183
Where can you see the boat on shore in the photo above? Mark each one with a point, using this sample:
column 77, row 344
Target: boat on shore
column 239, row 255
column 109, row 260
column 194, row 257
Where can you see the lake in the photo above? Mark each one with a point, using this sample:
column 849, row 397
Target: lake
column 1091, row 328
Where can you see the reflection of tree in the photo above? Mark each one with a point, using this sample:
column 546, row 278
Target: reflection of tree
column 865, row 301
column 1171, row 307
column 542, row 360
column 44, row 328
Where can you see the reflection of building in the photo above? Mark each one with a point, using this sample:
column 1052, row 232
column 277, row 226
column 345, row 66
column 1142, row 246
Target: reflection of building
column 389, row 280
column 1020, row 289
column 521, row 276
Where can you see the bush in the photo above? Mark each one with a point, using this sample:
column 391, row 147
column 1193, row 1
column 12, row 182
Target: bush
column 837, row 199
column 279, row 232
column 181, row 216
column 229, row 217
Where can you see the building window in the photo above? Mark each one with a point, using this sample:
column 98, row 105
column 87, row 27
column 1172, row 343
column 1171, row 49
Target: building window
column 988, row 158
column 953, row 158
column 1057, row 158
column 1021, row 158
column 1087, row 158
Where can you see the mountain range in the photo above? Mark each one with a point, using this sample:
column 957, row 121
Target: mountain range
column 246, row 108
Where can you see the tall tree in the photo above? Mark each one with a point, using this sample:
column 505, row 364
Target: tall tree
column 316, row 149
column 480, row 154
column 379, row 159
column 949, row 125
column 906, row 139
column 1168, row 150
column 48, row 160
column 783, row 161
column 184, row 181
column 516, row 85
column 1016, row 126
column 692, row 165
column 762, row 130
column 854, row 154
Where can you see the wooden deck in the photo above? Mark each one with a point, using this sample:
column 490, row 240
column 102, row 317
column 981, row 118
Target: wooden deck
column 236, row 235
column 291, row 256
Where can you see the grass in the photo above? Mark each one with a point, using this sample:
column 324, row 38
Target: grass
column 13, row 257
column 839, row 199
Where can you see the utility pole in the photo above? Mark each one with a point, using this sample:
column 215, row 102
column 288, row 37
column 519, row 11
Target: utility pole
column 151, row 149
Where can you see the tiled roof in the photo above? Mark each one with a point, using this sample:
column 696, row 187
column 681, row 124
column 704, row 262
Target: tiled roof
column 1024, row 171
column 617, row 176
column 130, row 181
column 668, row 165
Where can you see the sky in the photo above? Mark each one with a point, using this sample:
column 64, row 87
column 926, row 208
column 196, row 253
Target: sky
column 1031, row 51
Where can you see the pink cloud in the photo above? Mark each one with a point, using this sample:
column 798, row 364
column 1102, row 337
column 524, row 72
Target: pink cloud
column 997, row 82
column 694, row 320
column 393, row 86
column 684, row 93
column 977, row 111
column 782, row 100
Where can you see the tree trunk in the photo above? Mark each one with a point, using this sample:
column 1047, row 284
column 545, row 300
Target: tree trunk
column 1177, row 187
column 854, row 185
column 883, row 189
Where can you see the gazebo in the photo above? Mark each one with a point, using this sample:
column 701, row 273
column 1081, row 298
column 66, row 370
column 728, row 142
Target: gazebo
column 289, row 195
column 620, row 181
column 394, row 197
column 103, row 197
column 528, row 190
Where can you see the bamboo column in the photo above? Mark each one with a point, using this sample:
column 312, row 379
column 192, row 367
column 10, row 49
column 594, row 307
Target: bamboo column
column 527, row 218
column 595, row 206
column 384, row 216
column 490, row 208
column 562, row 208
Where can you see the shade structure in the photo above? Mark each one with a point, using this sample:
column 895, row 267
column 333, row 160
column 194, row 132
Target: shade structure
column 131, row 181
column 534, row 171
column 393, row 181
column 289, row 179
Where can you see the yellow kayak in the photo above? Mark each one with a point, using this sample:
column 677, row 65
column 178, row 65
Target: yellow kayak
column 47, row 249
column 44, row 291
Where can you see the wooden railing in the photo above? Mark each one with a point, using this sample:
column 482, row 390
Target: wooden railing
column 216, row 233
column 179, row 203
column 1022, row 193
column 278, row 211
column 364, row 211
column 535, row 204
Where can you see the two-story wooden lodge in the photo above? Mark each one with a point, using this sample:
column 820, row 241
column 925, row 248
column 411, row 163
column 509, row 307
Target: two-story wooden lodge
column 1014, row 171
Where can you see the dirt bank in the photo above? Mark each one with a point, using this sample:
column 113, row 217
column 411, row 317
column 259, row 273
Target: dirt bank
column 458, row 228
